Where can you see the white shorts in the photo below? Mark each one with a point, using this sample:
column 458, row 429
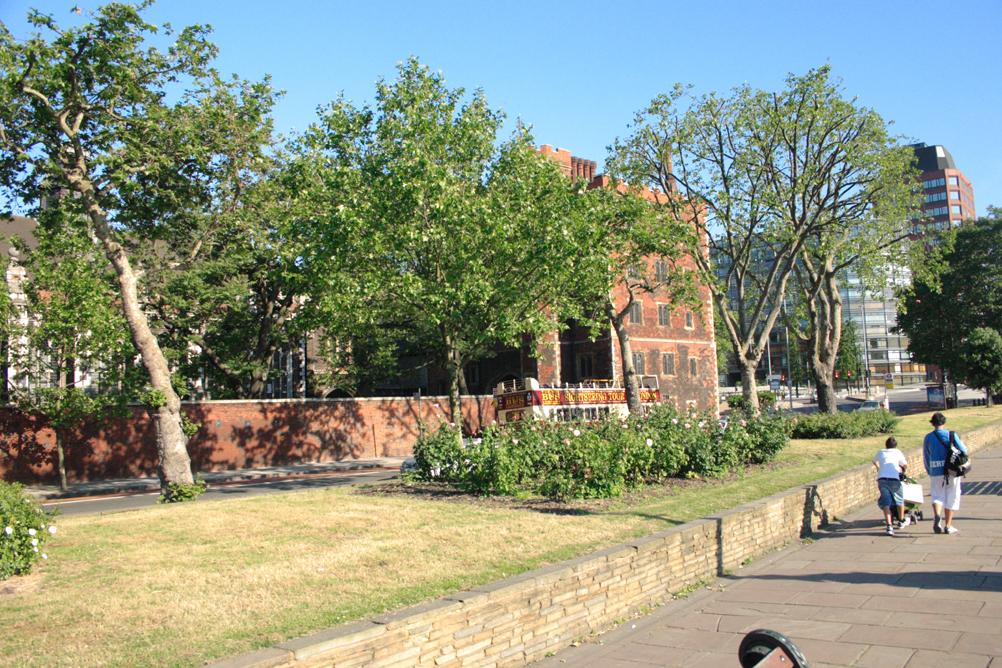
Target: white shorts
column 946, row 493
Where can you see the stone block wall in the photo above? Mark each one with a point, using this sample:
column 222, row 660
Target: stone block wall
column 520, row 619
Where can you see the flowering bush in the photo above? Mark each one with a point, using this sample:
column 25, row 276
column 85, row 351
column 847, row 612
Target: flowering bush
column 600, row 458
column 24, row 528
column 439, row 453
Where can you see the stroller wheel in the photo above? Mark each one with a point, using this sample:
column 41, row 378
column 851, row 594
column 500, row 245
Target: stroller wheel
column 918, row 515
column 758, row 645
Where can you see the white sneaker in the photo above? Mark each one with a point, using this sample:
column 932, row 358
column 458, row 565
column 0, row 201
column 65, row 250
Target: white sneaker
column 950, row 529
column 905, row 522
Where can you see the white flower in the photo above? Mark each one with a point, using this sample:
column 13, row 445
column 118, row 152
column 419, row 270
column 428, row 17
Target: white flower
column 452, row 424
column 52, row 528
column 567, row 441
column 544, row 441
column 626, row 426
column 514, row 441
column 650, row 442
column 8, row 530
column 43, row 556
column 701, row 424
column 34, row 542
column 688, row 426
column 577, row 432
column 35, row 549
column 31, row 532
column 674, row 421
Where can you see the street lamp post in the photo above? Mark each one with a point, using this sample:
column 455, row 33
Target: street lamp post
column 866, row 344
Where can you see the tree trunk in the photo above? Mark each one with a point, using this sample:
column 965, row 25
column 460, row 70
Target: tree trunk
column 826, row 397
column 259, row 383
column 61, row 454
column 825, row 313
column 749, row 385
column 173, row 463
column 60, row 451
column 453, row 367
column 630, row 381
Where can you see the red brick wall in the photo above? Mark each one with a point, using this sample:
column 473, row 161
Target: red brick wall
column 233, row 435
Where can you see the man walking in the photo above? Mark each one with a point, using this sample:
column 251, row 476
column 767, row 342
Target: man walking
column 945, row 487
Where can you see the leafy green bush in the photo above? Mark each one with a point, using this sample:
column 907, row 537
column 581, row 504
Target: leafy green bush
column 439, row 453
column 600, row 458
column 179, row 493
column 853, row 424
column 768, row 433
column 766, row 399
column 24, row 528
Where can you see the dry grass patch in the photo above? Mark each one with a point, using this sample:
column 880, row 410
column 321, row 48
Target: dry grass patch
column 181, row 585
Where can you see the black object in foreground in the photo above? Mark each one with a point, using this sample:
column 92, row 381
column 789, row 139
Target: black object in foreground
column 768, row 649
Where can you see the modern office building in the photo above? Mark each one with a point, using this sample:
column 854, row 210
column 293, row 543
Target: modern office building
column 948, row 201
column 949, row 196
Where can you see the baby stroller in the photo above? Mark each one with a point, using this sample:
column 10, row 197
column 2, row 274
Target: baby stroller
column 912, row 491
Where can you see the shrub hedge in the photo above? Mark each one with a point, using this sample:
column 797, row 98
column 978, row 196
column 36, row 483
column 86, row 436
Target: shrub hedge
column 854, row 424
column 600, row 458
column 766, row 399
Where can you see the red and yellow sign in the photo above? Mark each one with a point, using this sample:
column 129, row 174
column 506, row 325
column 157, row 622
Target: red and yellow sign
column 572, row 396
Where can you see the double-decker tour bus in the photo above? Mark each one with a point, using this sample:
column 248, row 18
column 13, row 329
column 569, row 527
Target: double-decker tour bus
column 526, row 399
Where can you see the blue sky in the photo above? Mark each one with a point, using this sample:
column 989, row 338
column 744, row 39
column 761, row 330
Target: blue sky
column 577, row 71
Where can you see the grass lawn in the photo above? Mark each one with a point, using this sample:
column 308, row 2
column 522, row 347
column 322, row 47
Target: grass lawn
column 182, row 585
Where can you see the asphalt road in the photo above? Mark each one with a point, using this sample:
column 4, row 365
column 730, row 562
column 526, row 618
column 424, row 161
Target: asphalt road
column 230, row 490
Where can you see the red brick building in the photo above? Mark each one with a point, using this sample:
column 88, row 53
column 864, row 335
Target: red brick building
column 676, row 346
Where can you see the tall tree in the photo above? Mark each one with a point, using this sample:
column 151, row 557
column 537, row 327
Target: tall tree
column 981, row 361
column 225, row 316
column 956, row 289
column 425, row 223
column 69, row 331
column 89, row 114
column 632, row 249
column 772, row 176
column 849, row 360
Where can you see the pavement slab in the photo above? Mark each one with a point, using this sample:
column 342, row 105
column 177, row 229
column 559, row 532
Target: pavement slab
column 932, row 659
column 854, row 597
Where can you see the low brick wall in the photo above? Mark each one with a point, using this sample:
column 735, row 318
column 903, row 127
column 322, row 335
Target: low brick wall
column 233, row 435
column 520, row 619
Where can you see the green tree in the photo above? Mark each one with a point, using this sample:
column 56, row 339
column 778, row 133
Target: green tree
column 721, row 339
column 981, row 361
column 849, row 360
column 227, row 314
column 91, row 114
column 424, row 223
column 69, row 331
column 631, row 249
column 772, row 176
column 956, row 289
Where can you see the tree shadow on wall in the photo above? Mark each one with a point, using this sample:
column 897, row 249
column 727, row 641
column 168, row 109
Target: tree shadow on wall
column 23, row 456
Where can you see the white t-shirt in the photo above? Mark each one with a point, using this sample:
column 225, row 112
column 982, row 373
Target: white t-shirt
column 889, row 463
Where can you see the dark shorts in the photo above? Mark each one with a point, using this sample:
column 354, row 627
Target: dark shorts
column 890, row 493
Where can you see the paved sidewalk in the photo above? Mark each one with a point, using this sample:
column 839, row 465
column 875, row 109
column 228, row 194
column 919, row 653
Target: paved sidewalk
column 853, row 597
column 217, row 478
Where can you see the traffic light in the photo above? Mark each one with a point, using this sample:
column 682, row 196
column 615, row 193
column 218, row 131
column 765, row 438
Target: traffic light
column 784, row 378
column 836, row 374
column 849, row 374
